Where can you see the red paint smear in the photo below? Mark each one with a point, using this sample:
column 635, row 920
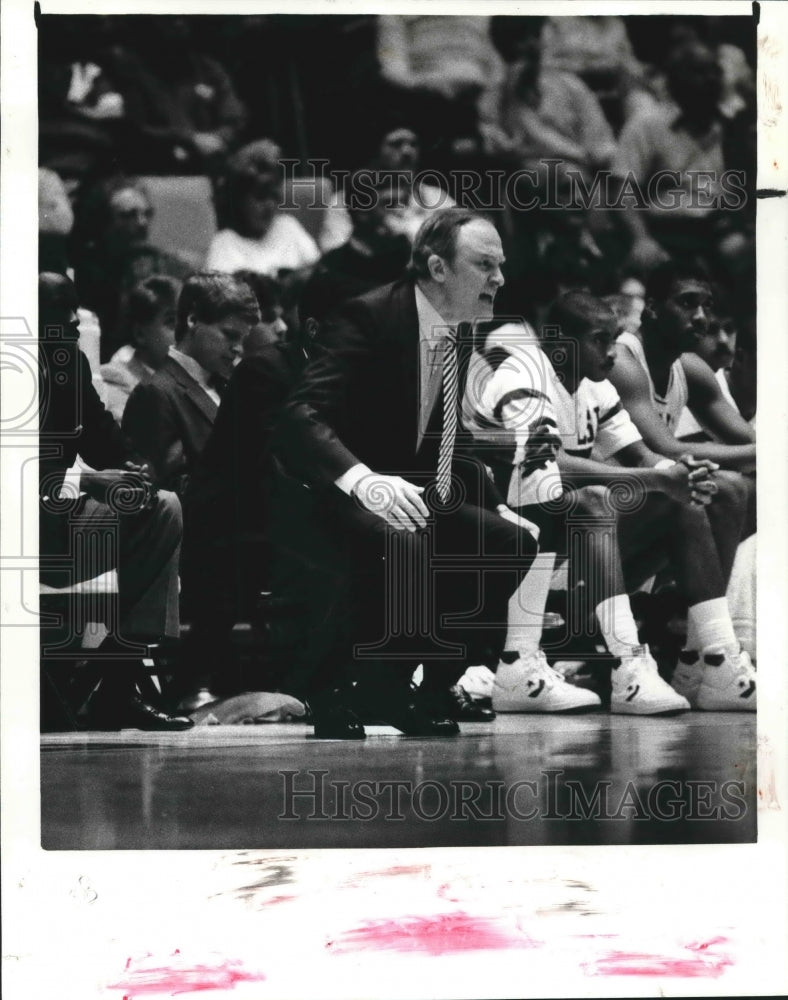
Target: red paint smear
column 441, row 934
column 622, row 963
column 393, row 870
column 172, row 980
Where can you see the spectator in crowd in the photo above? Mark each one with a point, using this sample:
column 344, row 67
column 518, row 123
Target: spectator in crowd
column 559, row 249
column 179, row 102
column 598, row 50
column 256, row 235
column 55, row 221
column 81, row 113
column 112, row 252
column 399, row 150
column 169, row 417
column 551, row 113
column 115, row 492
column 685, row 214
column 520, row 403
column 147, row 324
column 366, row 430
column 433, row 53
column 226, row 558
column 378, row 249
column 271, row 331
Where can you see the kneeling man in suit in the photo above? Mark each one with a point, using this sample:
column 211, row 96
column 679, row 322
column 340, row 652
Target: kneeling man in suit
column 397, row 506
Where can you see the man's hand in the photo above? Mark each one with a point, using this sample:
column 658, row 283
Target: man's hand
column 521, row 522
column 691, row 481
column 126, row 490
column 541, row 447
column 394, row 499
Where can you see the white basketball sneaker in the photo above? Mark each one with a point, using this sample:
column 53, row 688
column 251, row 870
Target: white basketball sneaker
column 688, row 675
column 529, row 684
column 639, row 690
column 728, row 683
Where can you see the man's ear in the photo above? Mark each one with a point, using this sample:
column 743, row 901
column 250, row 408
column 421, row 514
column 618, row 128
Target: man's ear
column 649, row 311
column 191, row 322
column 437, row 268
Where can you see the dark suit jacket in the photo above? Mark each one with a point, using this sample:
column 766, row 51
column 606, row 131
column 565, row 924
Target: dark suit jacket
column 72, row 421
column 358, row 399
column 230, row 483
column 167, row 422
column 72, row 418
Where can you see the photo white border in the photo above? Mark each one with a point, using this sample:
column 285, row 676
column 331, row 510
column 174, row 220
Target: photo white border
column 37, row 883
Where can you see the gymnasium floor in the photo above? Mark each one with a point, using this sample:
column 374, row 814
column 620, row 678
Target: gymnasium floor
column 592, row 779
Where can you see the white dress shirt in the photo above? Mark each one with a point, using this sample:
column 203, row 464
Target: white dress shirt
column 432, row 331
column 197, row 372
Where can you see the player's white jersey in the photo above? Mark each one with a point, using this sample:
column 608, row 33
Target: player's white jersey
column 513, row 392
column 671, row 405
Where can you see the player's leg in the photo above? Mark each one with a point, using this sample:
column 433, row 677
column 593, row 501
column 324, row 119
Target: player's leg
column 523, row 680
column 595, row 558
column 712, row 672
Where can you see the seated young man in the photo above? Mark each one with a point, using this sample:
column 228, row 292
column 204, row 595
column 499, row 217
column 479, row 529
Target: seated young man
column 168, row 418
column 117, row 496
column 557, row 438
column 657, row 374
column 226, row 560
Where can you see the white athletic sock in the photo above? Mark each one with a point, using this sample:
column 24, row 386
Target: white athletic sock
column 709, row 624
column 527, row 604
column 617, row 625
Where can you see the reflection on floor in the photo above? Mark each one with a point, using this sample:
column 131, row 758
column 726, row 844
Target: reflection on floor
column 594, row 779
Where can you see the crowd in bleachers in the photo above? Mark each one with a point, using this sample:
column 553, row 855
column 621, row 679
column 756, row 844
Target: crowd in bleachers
column 217, row 188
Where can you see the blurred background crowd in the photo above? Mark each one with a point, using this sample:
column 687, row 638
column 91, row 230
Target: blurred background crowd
column 204, row 108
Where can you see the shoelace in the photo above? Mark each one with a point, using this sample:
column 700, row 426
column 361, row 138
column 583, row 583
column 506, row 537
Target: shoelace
column 545, row 672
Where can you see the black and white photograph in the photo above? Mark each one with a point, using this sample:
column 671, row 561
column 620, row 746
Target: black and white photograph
column 379, row 475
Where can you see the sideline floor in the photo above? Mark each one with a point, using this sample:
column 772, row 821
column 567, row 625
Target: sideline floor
column 592, row 779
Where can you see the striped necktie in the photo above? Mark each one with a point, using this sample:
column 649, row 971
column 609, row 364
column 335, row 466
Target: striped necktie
column 449, row 434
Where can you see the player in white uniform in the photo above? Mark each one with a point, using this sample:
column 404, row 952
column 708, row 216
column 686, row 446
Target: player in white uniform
column 555, row 434
column 719, row 348
column 679, row 307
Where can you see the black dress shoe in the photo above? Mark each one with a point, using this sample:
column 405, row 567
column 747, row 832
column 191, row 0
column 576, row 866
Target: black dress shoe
column 135, row 714
column 333, row 719
column 458, row 705
column 413, row 719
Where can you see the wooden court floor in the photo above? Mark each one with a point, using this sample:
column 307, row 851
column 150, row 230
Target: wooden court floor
column 521, row 780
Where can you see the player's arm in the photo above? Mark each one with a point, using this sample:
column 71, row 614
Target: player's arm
column 710, row 408
column 579, row 472
column 633, row 388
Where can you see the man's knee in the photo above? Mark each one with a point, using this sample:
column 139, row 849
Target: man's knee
column 596, row 502
column 733, row 491
column 167, row 516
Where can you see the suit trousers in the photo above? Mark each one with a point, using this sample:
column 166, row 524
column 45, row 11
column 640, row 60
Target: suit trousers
column 90, row 538
column 437, row 596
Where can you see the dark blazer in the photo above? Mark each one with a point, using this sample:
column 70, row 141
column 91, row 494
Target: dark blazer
column 230, row 483
column 72, row 418
column 72, row 421
column 358, row 399
column 167, row 422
